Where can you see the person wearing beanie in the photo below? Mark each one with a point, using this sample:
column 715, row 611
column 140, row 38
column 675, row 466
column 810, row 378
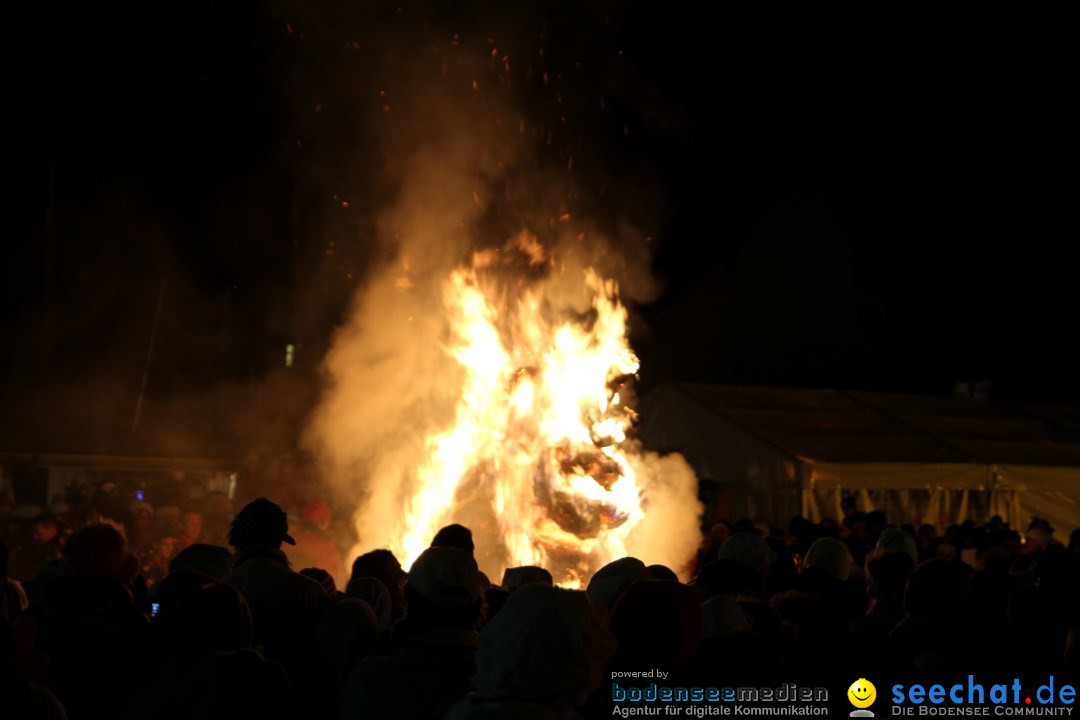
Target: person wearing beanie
column 896, row 540
column 826, row 573
column 518, row 577
column 542, row 656
column 611, row 581
column 435, row 645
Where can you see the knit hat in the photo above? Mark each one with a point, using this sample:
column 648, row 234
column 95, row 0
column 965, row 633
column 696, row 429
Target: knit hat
column 895, row 540
column 446, row 576
column 212, row 560
column 261, row 523
column 516, row 577
column 749, row 550
column 612, row 580
column 830, row 556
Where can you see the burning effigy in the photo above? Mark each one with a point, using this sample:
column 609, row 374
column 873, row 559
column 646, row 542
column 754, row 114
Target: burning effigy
column 533, row 450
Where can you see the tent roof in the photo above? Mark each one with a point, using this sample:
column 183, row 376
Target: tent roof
column 836, row 426
column 822, row 425
column 994, row 433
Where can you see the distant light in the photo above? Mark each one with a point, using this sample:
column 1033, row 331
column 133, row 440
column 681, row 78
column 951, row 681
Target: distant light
column 232, row 485
column 290, row 353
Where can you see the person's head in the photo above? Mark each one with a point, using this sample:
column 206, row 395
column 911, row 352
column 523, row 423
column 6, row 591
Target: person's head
column 749, row 550
column 46, row 529
column 857, row 525
column 213, row 560
column 100, row 550
column 260, row 526
column 325, row 579
column 455, row 535
column 830, row 556
column 718, row 533
column 375, row 594
column 516, row 577
column 191, row 522
column 384, row 567
column 894, row 540
column 722, row 615
column 935, row 589
column 142, row 516
column 726, row 577
column 1038, row 537
column 888, row 576
column 656, row 621
column 800, row 614
column 210, row 618
column 444, row 590
column 612, row 580
column 662, row 572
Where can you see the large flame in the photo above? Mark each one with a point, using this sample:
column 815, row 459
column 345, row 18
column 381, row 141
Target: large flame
column 503, row 406
column 539, row 429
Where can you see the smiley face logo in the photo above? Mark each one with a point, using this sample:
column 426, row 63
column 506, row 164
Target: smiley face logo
column 862, row 693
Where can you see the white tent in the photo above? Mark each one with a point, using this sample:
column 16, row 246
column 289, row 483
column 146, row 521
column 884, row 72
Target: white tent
column 781, row 452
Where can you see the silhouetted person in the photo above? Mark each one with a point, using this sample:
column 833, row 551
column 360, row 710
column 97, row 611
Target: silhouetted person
column 325, row 579
column 435, row 646
column 20, row 698
column 826, row 571
column 375, row 594
column 90, row 626
column 541, row 657
column 383, row 566
column 657, row 624
column 12, row 596
column 346, row 634
column 888, row 574
column 191, row 528
column 932, row 637
column 210, row 670
column 751, row 551
column 43, row 547
column 285, row 606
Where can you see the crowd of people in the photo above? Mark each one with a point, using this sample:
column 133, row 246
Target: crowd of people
column 203, row 612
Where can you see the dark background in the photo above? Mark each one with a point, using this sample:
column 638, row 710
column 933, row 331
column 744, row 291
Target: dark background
column 880, row 203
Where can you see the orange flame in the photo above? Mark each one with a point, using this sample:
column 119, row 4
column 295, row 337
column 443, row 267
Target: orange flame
column 537, row 432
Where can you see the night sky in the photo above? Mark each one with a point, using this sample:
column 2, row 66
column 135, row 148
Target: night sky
column 856, row 202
